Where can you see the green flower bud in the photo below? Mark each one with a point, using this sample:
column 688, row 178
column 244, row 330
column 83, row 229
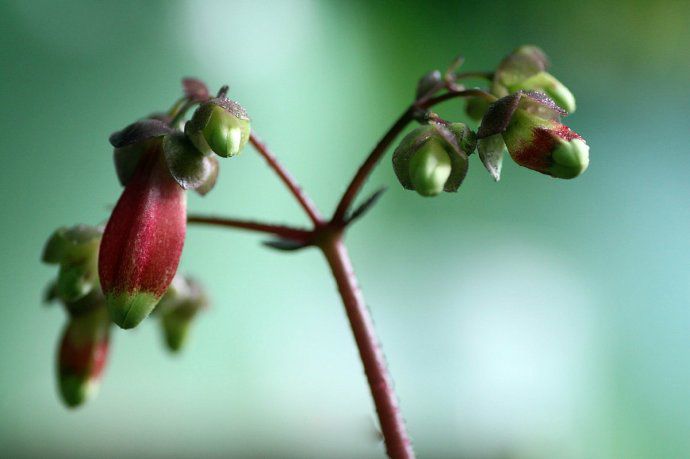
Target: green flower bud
column 177, row 309
column 220, row 126
column 571, row 158
column 75, row 249
column 433, row 158
column 476, row 107
column 430, row 168
column 176, row 324
column 547, row 83
column 526, row 69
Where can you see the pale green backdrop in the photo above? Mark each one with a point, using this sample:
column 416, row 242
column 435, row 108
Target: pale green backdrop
column 532, row 318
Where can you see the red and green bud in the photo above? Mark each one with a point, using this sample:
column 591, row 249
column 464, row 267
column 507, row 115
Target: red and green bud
column 82, row 356
column 546, row 146
column 143, row 240
column 433, row 158
column 220, row 126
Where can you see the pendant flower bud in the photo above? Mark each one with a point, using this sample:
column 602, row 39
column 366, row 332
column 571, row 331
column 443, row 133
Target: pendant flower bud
column 220, row 126
column 433, row 158
column 546, row 146
column 82, row 356
column 143, row 240
column 177, row 309
column 75, row 249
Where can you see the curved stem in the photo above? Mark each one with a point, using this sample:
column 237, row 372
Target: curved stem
column 397, row 442
column 287, row 232
column 287, row 179
column 377, row 153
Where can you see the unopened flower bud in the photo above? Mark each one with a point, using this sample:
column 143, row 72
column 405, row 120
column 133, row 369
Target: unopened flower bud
column 75, row 249
column 430, row 168
column 220, row 126
column 177, row 309
column 82, row 356
column 142, row 242
column 546, row 146
column 548, row 84
column 525, row 69
column 433, row 158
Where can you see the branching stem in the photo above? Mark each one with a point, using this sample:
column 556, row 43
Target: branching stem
column 328, row 236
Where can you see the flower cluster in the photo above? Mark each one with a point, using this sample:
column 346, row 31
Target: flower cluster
column 118, row 274
column 520, row 112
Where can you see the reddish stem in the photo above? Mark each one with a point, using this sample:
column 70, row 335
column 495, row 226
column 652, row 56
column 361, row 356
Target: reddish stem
column 286, row 232
column 398, row 444
column 379, row 150
column 287, row 179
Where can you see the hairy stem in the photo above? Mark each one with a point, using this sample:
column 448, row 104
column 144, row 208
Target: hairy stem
column 289, row 182
column 397, row 442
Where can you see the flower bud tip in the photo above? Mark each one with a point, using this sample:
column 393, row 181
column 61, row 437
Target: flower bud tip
column 128, row 310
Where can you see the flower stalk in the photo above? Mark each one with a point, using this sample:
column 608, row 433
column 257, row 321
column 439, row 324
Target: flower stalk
column 159, row 158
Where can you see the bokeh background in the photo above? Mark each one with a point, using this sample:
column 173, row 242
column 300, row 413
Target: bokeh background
column 532, row 318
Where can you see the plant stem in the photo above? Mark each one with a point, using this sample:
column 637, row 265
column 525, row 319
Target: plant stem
column 379, row 150
column 289, row 182
column 397, row 442
column 286, row 232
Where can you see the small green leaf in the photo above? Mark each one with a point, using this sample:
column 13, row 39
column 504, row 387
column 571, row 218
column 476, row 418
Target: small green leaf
column 491, row 153
column 189, row 167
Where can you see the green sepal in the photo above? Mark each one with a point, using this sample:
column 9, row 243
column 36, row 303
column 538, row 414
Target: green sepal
column 188, row 166
column 127, row 310
column 210, row 181
column 491, row 150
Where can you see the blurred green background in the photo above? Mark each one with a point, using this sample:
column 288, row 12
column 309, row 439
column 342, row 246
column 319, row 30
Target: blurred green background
column 532, row 318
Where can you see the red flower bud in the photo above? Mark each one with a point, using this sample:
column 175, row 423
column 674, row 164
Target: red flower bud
column 82, row 356
column 546, row 146
column 143, row 240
